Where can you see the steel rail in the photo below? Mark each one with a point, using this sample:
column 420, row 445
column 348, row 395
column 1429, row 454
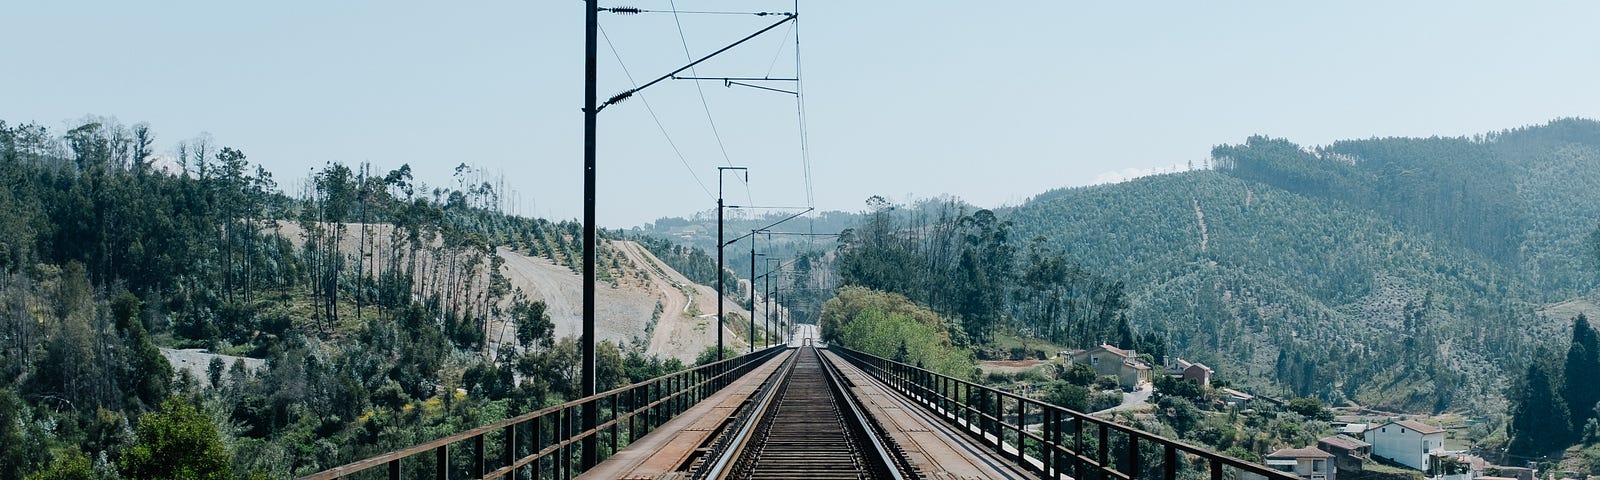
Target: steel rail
column 746, row 454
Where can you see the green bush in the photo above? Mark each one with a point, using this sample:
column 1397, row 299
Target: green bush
column 176, row 442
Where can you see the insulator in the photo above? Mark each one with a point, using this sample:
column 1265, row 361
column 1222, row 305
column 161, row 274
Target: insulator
column 626, row 10
column 619, row 97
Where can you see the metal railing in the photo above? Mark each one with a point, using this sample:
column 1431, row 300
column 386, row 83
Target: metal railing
column 1050, row 440
column 546, row 443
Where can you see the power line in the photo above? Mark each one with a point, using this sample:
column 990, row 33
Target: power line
column 779, row 53
column 800, row 110
column 684, row 40
column 675, row 11
column 653, row 116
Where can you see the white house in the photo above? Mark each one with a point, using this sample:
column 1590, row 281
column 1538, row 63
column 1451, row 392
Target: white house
column 1405, row 442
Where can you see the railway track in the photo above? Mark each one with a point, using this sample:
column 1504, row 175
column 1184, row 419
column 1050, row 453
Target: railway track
column 806, row 425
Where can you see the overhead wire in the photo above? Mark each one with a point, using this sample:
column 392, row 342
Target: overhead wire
column 684, row 40
column 775, row 55
column 800, row 111
column 675, row 11
column 653, row 116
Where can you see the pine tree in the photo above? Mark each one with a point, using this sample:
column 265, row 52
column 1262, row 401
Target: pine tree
column 1579, row 389
column 1538, row 417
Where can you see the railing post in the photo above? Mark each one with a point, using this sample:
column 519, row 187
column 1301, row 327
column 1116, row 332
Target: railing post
column 1170, row 470
column 538, row 437
column 1216, row 469
column 510, row 453
column 1105, row 439
column 441, row 463
column 635, row 410
column 478, row 453
column 1133, row 455
column 394, row 469
column 566, row 438
column 1077, row 447
column 997, row 424
column 650, row 398
column 615, row 424
column 1047, row 426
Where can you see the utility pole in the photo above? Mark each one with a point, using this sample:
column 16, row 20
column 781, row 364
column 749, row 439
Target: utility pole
column 766, row 291
column 753, row 292
column 592, row 108
column 591, row 14
column 720, row 247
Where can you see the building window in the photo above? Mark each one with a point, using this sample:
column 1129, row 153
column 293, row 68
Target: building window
column 1094, row 361
column 1316, row 465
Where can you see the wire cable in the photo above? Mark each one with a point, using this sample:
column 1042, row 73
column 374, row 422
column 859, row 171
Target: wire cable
column 800, row 111
column 675, row 11
column 653, row 116
column 779, row 53
column 684, row 40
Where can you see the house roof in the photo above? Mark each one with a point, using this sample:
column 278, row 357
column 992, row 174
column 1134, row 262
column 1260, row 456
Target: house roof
column 1237, row 394
column 1344, row 441
column 1120, row 352
column 1307, row 452
column 1355, row 428
column 1419, row 427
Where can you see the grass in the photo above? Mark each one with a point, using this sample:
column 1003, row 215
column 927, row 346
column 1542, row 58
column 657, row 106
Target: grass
column 1006, row 341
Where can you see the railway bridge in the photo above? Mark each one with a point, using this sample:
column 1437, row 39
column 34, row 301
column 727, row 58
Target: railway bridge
column 806, row 410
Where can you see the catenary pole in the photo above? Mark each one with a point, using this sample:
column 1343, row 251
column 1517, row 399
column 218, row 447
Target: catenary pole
column 591, row 42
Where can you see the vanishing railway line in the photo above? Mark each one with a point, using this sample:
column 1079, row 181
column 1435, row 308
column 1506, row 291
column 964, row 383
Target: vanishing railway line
column 805, row 425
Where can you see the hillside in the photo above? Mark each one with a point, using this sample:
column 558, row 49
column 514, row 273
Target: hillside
column 367, row 311
column 626, row 306
column 1402, row 273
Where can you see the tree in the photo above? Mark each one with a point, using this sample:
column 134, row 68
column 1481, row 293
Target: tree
column 13, row 448
column 176, row 442
column 1074, row 397
column 69, row 465
column 1079, row 374
column 534, row 326
column 1310, row 408
column 1578, row 388
column 1538, row 416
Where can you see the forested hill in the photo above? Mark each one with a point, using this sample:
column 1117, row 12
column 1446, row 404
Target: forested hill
column 1523, row 198
column 377, row 312
column 1397, row 272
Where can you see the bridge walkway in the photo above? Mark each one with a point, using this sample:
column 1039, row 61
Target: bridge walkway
column 931, row 448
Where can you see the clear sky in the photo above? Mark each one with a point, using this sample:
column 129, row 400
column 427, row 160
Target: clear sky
column 989, row 101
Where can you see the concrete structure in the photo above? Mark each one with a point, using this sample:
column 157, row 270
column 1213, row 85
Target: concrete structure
column 1307, row 463
column 1405, row 442
column 1116, row 362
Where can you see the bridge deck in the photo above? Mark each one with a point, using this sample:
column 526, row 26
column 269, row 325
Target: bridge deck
column 932, row 448
column 674, row 444
column 935, row 450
